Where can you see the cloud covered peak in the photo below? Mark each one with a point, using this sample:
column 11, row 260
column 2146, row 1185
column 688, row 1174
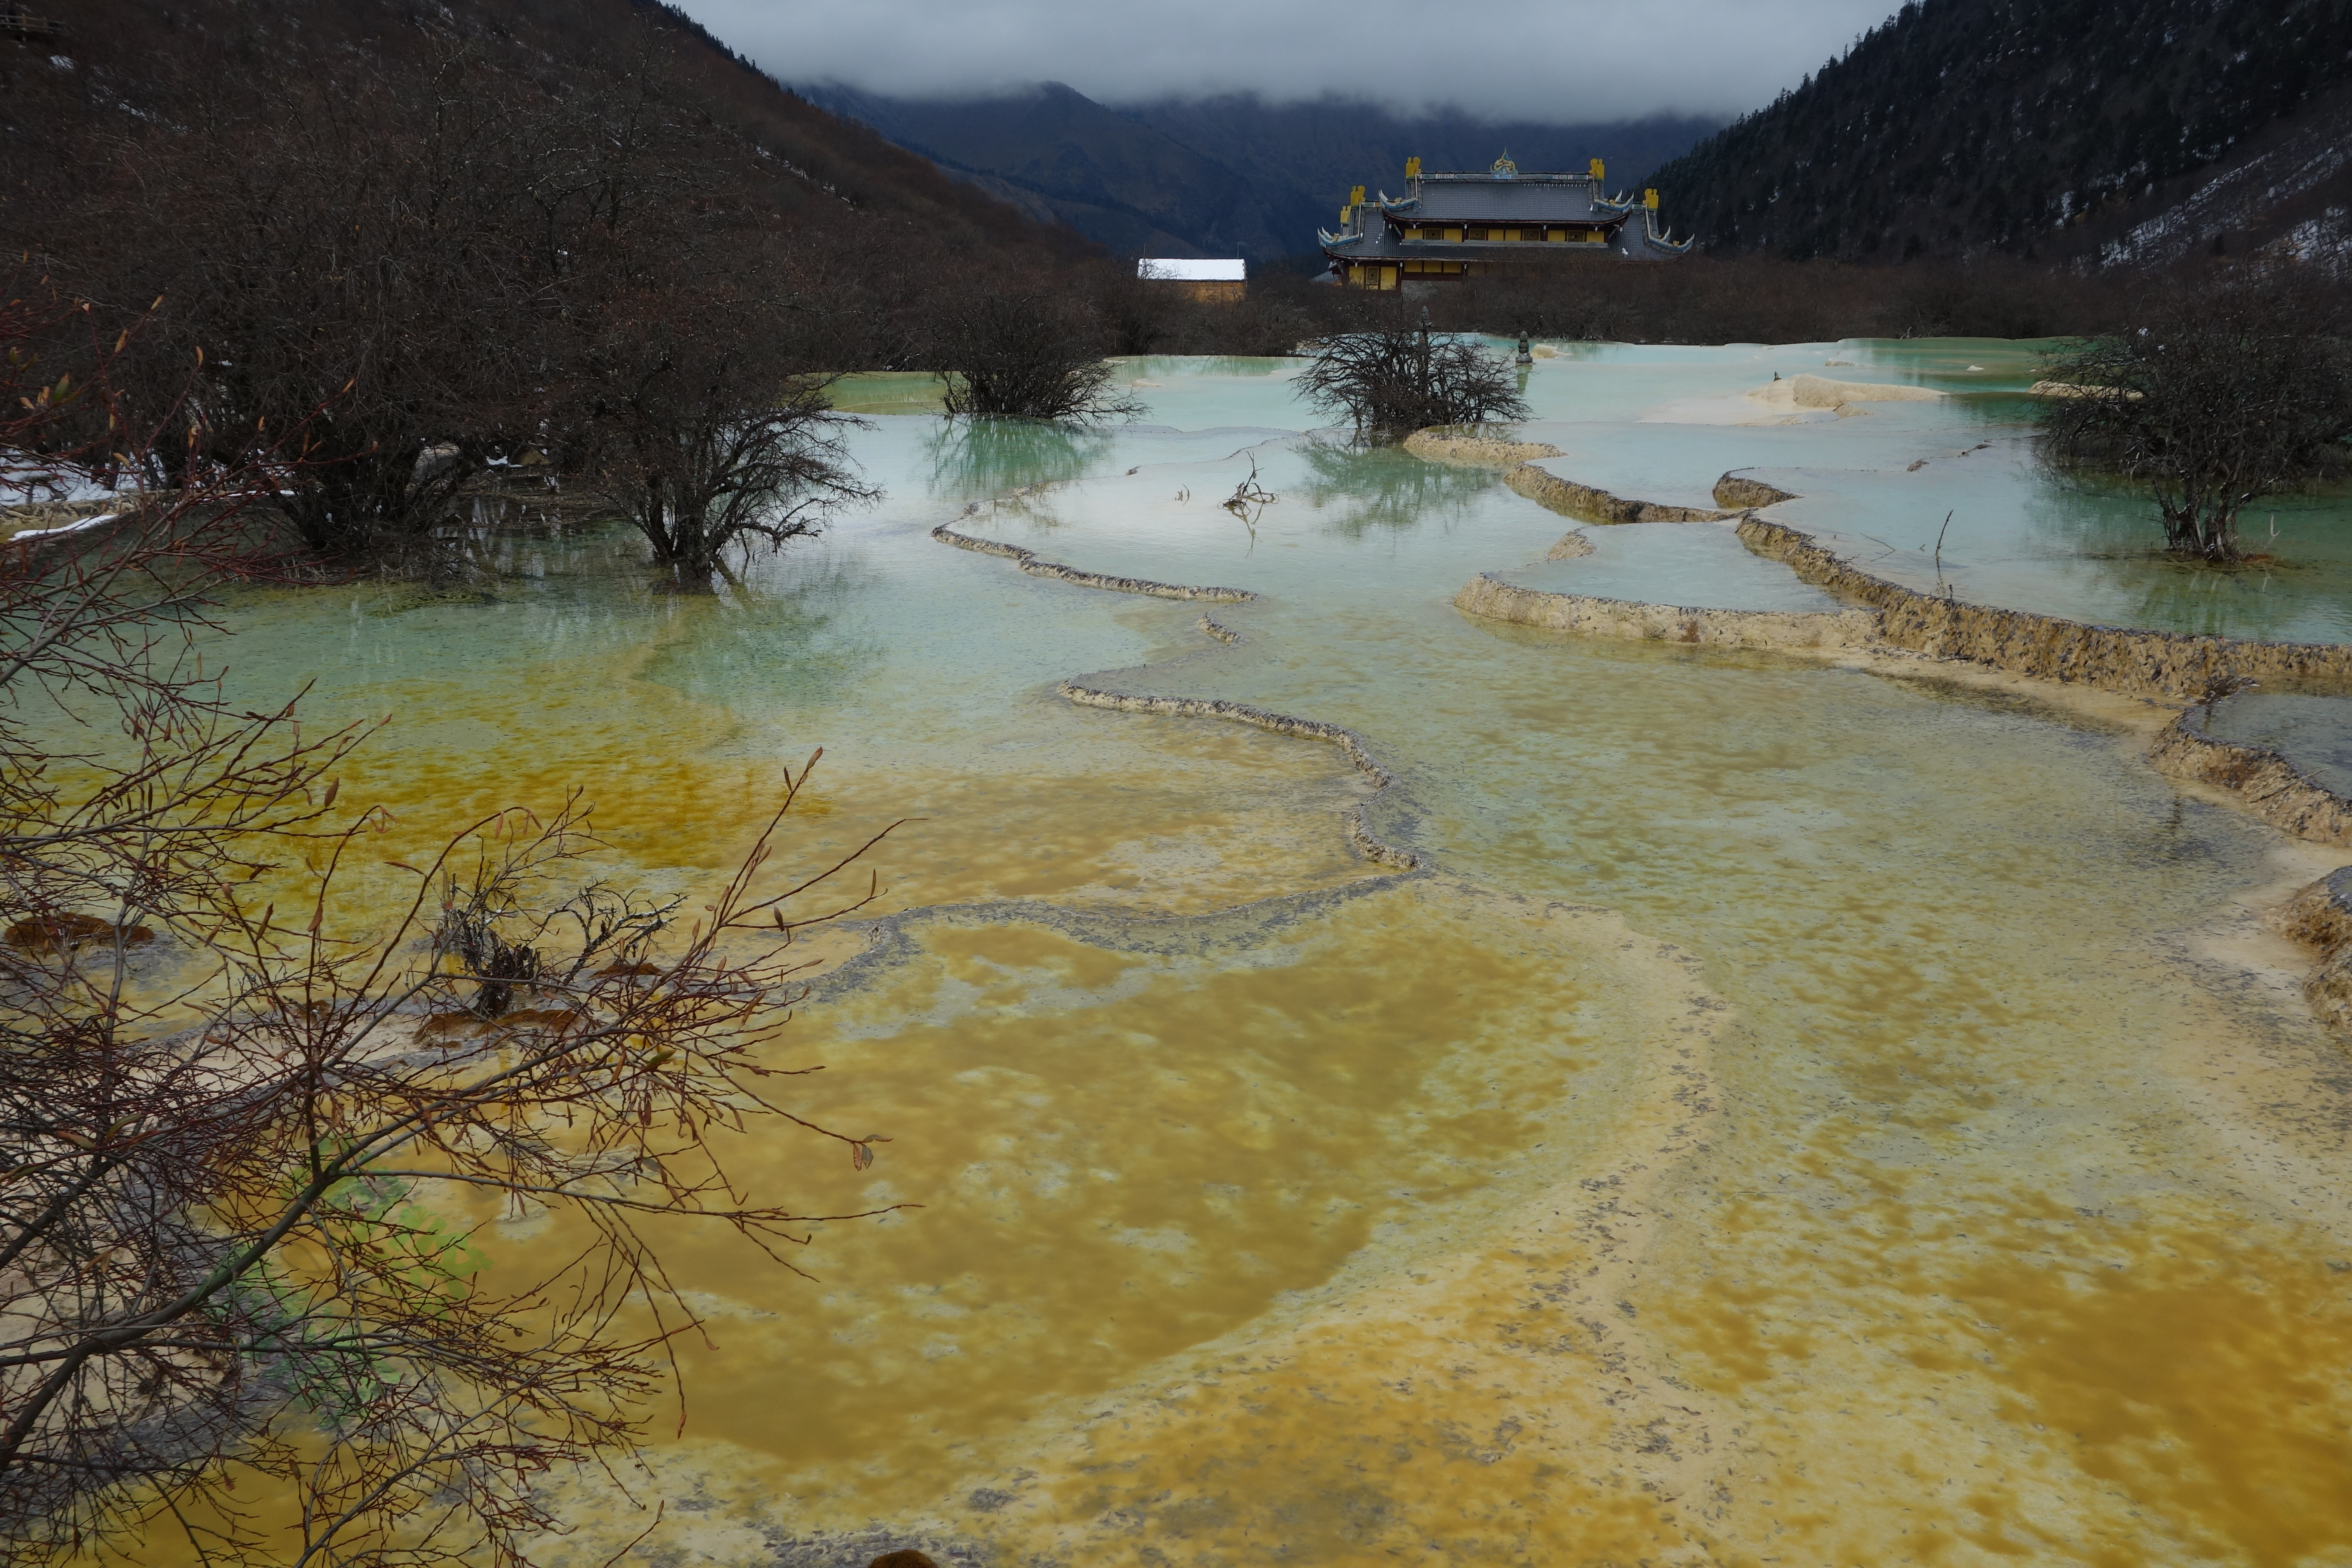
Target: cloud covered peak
column 1555, row 60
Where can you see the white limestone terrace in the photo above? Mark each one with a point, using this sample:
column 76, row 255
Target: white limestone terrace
column 1703, row 564
column 1671, row 488
column 1877, row 478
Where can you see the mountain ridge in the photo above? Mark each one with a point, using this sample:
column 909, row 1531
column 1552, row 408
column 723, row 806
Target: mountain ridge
column 1052, row 149
column 123, row 59
column 1221, row 175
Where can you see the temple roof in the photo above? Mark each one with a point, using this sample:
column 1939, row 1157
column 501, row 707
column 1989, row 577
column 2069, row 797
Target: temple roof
column 1641, row 239
column 1501, row 197
column 1522, row 200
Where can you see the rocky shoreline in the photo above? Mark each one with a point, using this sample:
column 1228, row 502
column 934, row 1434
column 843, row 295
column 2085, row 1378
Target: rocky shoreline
column 1489, row 596
column 2173, row 665
column 1030, row 562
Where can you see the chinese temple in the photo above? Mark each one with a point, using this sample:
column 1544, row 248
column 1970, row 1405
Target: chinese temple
column 1448, row 227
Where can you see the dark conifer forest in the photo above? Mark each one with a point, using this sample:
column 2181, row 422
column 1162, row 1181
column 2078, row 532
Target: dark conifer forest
column 2043, row 128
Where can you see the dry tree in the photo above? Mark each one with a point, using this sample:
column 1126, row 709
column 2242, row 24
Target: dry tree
column 1249, row 497
column 696, row 388
column 352, row 251
column 1249, row 500
column 2211, row 399
column 1015, row 354
column 1392, row 382
column 443, row 270
column 712, row 442
column 254, row 1122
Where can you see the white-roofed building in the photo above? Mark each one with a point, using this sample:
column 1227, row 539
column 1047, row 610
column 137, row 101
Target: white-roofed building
column 1204, row 277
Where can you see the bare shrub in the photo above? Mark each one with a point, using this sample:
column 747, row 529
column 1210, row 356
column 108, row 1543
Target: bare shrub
column 707, row 430
column 1018, row 354
column 1390, row 383
column 1757, row 299
column 1140, row 316
column 348, row 253
column 247, row 1153
column 700, row 466
column 2212, row 399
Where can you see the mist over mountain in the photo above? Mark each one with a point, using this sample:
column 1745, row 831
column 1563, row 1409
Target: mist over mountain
column 1543, row 60
column 1320, row 149
column 2140, row 131
column 1227, row 176
column 1061, row 157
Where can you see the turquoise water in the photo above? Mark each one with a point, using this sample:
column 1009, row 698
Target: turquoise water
column 1944, row 497
column 1881, row 486
column 2314, row 732
column 1702, row 560
column 1804, row 1090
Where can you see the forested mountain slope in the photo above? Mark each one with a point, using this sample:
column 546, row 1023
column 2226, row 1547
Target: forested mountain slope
column 2039, row 127
column 124, row 62
column 1058, row 153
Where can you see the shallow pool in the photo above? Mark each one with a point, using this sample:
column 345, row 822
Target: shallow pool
column 1796, row 1115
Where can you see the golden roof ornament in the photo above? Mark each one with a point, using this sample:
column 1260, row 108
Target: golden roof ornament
column 1503, row 168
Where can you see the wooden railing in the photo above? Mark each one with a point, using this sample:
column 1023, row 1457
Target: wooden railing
column 18, row 23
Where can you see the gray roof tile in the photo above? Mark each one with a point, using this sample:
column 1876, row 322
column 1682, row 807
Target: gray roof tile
column 1509, row 201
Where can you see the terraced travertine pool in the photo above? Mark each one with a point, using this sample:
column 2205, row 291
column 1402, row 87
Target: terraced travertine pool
column 1794, row 1111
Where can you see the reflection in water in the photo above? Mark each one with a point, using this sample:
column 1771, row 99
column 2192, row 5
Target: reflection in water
column 887, row 392
column 1369, row 488
column 2195, row 597
column 975, row 459
column 787, row 626
column 2299, row 549
column 1195, row 367
column 492, row 537
column 2294, row 554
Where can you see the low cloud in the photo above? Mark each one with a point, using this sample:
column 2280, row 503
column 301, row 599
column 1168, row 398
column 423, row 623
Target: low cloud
column 1563, row 62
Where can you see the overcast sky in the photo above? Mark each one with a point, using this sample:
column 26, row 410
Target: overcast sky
column 1559, row 60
